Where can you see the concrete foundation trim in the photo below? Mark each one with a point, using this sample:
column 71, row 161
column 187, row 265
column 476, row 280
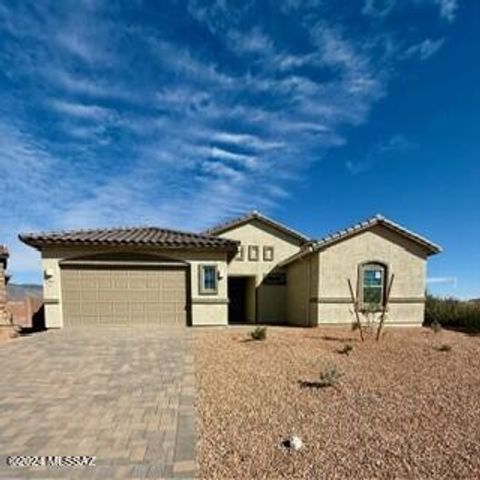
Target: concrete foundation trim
column 209, row 301
column 387, row 324
column 408, row 300
column 344, row 300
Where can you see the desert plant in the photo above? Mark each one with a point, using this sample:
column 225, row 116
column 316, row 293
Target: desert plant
column 329, row 377
column 346, row 349
column 452, row 313
column 259, row 333
column 436, row 326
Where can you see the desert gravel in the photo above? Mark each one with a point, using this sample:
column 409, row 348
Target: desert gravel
column 402, row 409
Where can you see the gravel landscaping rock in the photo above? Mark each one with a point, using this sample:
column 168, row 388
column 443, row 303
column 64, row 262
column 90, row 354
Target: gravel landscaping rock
column 401, row 409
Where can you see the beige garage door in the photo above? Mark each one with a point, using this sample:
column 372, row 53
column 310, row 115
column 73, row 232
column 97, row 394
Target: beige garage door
column 102, row 295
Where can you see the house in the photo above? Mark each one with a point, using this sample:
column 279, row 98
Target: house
column 250, row 270
column 4, row 315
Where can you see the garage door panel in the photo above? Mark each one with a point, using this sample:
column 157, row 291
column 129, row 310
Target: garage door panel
column 102, row 295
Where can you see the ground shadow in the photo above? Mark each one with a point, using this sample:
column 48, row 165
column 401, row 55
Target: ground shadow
column 314, row 385
column 38, row 323
column 330, row 338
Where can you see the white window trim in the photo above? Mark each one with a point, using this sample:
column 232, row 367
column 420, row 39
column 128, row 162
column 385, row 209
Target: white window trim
column 201, row 280
column 366, row 266
column 252, row 248
column 240, row 257
column 267, row 248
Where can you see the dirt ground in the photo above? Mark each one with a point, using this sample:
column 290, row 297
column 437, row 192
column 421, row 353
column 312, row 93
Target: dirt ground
column 401, row 409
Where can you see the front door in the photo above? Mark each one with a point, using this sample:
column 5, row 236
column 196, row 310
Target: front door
column 237, row 295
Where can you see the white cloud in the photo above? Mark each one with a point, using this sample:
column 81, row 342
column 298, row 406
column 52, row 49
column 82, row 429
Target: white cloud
column 448, row 9
column 423, row 50
column 249, row 42
column 443, row 280
column 381, row 151
column 223, row 171
column 378, row 8
column 246, row 141
column 80, row 110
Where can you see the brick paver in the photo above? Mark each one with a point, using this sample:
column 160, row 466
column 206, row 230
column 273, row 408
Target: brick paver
column 124, row 395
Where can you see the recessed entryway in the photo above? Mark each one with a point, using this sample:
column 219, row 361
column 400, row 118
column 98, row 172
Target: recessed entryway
column 241, row 296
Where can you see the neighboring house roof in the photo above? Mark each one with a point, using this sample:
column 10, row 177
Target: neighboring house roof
column 129, row 236
column 341, row 235
column 254, row 215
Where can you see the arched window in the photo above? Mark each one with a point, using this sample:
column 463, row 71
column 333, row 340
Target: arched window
column 373, row 284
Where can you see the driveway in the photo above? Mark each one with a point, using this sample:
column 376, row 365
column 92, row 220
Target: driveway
column 122, row 395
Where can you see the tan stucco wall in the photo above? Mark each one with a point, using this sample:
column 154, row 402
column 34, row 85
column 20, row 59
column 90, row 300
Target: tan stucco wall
column 206, row 309
column 271, row 306
column 341, row 261
column 302, row 280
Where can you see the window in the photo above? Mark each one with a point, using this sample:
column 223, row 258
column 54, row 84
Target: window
column 240, row 254
column 268, row 254
column 253, row 253
column 372, row 276
column 208, row 279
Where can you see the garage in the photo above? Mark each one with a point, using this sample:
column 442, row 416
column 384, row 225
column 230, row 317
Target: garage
column 131, row 276
column 112, row 294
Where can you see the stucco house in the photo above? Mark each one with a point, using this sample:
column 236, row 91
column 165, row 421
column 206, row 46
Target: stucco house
column 249, row 270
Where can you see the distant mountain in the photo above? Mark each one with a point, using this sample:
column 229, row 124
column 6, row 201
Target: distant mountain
column 17, row 291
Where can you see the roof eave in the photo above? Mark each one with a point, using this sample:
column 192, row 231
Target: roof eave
column 40, row 244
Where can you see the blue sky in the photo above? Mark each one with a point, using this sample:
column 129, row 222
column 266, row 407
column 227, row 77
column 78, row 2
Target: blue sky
column 184, row 113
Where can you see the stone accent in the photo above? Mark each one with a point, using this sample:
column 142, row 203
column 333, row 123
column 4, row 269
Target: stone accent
column 5, row 317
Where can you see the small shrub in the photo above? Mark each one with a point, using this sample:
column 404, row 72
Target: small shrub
column 346, row 349
column 329, row 377
column 444, row 348
column 436, row 326
column 259, row 333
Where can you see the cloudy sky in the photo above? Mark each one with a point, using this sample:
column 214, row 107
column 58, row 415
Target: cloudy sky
column 183, row 113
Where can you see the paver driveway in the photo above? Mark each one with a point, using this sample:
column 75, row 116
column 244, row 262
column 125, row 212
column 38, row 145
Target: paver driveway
column 124, row 395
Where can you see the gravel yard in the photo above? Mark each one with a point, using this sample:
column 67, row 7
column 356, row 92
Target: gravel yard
column 402, row 409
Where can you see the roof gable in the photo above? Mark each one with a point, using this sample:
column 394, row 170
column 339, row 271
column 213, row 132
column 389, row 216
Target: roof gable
column 378, row 220
column 257, row 217
column 370, row 223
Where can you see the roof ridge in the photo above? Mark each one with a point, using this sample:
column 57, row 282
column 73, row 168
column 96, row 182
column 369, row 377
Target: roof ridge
column 253, row 214
column 111, row 229
column 376, row 219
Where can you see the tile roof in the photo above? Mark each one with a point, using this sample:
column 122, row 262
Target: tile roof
column 132, row 236
column 377, row 220
column 316, row 245
column 254, row 215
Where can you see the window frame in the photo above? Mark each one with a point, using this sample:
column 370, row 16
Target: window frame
column 372, row 265
column 201, row 279
column 268, row 248
column 252, row 248
column 240, row 257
